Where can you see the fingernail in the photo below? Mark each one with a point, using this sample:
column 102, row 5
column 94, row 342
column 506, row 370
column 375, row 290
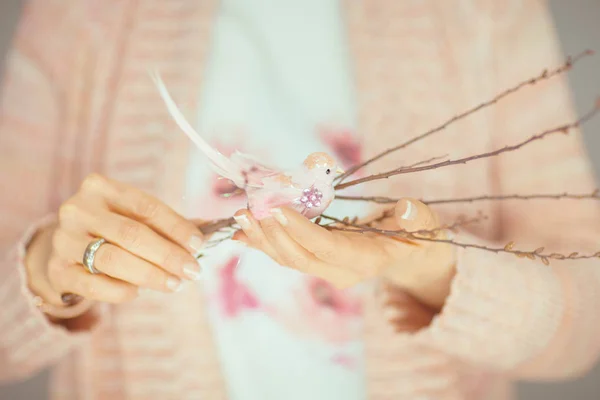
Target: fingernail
column 70, row 299
column 174, row 284
column 242, row 221
column 192, row 271
column 278, row 215
column 410, row 210
column 196, row 243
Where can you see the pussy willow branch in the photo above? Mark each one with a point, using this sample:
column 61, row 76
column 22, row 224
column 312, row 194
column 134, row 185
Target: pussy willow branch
column 508, row 248
column 561, row 129
column 358, row 228
column 543, row 76
column 595, row 195
column 425, row 162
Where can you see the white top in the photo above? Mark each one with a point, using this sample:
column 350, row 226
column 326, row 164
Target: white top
column 278, row 69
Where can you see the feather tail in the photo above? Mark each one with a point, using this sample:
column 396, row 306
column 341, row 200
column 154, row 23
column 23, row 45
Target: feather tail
column 220, row 164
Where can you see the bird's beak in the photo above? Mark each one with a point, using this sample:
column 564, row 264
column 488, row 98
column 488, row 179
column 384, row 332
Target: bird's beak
column 340, row 171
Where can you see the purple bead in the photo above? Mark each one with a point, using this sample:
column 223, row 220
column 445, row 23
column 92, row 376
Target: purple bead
column 309, row 205
column 313, row 198
column 303, row 199
column 317, row 203
column 319, row 195
column 306, row 191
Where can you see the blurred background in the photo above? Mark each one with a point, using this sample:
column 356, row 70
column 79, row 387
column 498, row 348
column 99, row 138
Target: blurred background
column 578, row 24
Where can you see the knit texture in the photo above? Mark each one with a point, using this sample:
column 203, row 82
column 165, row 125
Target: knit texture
column 77, row 99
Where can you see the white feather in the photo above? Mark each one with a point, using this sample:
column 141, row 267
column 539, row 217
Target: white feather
column 220, row 164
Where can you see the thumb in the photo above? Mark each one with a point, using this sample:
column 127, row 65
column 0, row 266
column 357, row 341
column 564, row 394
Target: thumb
column 412, row 215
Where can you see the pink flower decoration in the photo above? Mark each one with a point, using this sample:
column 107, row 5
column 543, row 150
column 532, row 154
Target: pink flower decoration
column 234, row 296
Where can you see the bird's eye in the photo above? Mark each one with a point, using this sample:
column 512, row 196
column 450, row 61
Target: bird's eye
column 328, row 171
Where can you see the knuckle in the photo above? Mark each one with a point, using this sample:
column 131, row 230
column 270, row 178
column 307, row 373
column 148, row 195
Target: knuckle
column 68, row 211
column 180, row 231
column 106, row 256
column 300, row 263
column 86, row 288
column 124, row 294
column 325, row 254
column 148, row 278
column 58, row 242
column 56, row 271
column 172, row 261
column 92, row 182
column 129, row 233
column 146, row 207
column 270, row 229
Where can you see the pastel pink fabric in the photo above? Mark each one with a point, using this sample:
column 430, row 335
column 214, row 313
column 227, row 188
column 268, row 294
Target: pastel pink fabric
column 77, row 99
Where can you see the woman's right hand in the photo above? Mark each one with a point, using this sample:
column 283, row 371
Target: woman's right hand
column 148, row 245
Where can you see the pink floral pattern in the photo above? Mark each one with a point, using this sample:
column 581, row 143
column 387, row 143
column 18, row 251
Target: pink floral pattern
column 234, row 296
column 322, row 312
column 344, row 144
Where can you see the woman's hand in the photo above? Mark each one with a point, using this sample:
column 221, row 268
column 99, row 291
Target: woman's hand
column 424, row 269
column 148, row 245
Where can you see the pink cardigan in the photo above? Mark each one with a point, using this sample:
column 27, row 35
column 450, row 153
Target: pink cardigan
column 77, row 99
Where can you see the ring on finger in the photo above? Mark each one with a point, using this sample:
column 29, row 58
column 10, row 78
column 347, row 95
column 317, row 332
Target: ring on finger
column 90, row 254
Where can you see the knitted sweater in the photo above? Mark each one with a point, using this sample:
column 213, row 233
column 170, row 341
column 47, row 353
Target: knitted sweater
column 77, row 99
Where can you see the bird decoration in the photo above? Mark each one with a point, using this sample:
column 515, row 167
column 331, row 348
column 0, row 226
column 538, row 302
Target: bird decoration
column 308, row 189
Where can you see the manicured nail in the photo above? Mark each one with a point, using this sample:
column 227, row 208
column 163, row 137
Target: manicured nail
column 70, row 299
column 196, row 243
column 242, row 221
column 174, row 284
column 410, row 210
column 192, row 271
column 278, row 215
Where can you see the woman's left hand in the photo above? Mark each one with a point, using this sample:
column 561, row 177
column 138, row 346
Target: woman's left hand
column 423, row 269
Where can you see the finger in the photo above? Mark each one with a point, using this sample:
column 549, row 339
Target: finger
column 133, row 236
column 240, row 236
column 70, row 278
column 295, row 256
column 134, row 203
column 333, row 247
column 412, row 215
column 115, row 262
column 255, row 235
column 403, row 311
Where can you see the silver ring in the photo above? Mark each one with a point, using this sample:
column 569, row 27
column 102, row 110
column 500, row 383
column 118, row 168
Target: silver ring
column 90, row 254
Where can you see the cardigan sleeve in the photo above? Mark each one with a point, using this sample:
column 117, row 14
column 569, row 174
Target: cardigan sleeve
column 28, row 340
column 33, row 167
column 517, row 315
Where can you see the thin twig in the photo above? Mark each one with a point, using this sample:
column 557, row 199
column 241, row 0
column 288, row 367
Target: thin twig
column 561, row 129
column 595, row 195
column 428, row 237
column 508, row 248
column 367, row 227
column 543, row 76
column 425, row 162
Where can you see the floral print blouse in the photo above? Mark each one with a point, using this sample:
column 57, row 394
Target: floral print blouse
column 277, row 86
